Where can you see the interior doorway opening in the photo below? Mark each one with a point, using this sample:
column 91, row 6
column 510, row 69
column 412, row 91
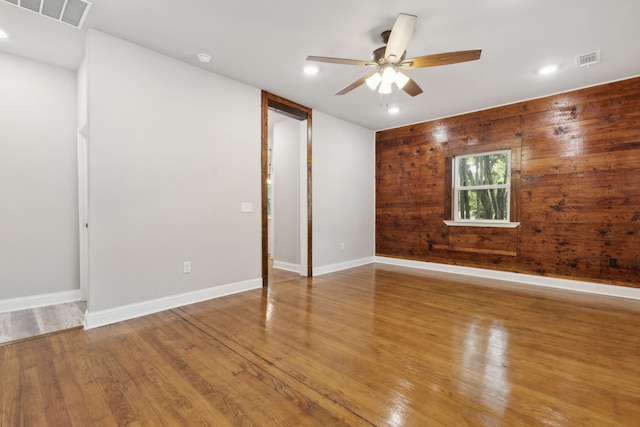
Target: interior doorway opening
column 302, row 115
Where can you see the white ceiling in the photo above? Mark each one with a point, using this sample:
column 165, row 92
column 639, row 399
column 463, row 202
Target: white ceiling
column 265, row 43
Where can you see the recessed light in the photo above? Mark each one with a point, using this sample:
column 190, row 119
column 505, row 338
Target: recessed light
column 311, row 69
column 4, row 34
column 548, row 69
column 204, row 58
column 393, row 110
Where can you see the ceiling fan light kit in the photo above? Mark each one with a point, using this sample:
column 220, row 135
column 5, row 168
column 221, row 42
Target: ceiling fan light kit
column 401, row 79
column 373, row 81
column 383, row 80
column 385, row 88
column 389, row 60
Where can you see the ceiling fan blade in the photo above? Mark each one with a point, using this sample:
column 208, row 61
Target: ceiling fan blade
column 441, row 59
column 400, row 35
column 412, row 88
column 356, row 84
column 340, row 61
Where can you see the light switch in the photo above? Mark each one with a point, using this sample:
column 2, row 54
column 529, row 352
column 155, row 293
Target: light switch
column 246, row 207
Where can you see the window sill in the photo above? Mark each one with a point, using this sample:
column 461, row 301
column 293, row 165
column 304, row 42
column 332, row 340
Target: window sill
column 494, row 224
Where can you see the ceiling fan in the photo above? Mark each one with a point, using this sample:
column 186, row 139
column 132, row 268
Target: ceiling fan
column 389, row 60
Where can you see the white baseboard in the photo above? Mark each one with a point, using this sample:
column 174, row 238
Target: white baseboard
column 118, row 314
column 529, row 279
column 33, row 301
column 332, row 268
column 286, row 266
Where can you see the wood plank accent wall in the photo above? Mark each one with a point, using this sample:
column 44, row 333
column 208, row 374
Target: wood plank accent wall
column 575, row 187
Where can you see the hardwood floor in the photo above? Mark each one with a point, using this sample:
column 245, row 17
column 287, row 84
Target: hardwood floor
column 277, row 275
column 374, row 345
column 25, row 324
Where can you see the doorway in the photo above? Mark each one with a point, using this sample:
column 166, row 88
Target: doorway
column 302, row 114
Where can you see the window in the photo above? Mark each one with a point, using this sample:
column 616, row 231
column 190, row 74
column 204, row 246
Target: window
column 481, row 188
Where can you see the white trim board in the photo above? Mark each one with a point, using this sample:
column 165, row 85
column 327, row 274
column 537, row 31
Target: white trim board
column 550, row 282
column 332, row 268
column 286, row 266
column 126, row 312
column 33, row 301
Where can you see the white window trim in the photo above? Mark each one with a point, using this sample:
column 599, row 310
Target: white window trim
column 498, row 223
column 476, row 223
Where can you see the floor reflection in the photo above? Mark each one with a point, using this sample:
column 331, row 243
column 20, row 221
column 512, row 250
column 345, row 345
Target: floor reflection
column 485, row 350
column 398, row 408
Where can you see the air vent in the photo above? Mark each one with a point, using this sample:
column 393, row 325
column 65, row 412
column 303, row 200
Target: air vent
column 71, row 12
column 588, row 59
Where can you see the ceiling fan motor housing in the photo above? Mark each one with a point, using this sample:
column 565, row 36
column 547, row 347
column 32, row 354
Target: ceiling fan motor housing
column 378, row 56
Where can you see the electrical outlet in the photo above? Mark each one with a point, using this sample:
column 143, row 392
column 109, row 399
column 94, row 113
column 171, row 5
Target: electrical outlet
column 186, row 267
column 342, row 246
column 246, row 207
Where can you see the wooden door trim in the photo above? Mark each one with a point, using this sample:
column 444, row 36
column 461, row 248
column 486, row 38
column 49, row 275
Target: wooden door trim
column 298, row 112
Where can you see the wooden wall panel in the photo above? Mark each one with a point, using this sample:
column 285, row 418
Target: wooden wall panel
column 575, row 186
column 481, row 240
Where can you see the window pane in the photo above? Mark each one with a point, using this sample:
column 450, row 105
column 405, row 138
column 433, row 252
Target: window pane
column 483, row 204
column 489, row 169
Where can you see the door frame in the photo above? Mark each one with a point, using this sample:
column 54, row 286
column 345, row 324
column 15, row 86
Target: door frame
column 298, row 112
column 83, row 210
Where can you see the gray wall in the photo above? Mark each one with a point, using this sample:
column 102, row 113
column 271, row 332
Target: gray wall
column 286, row 193
column 38, row 179
column 174, row 151
column 343, row 192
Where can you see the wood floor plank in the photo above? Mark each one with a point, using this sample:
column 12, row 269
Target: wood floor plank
column 370, row 346
column 159, row 379
column 210, row 377
column 234, row 380
column 33, row 404
column 56, row 409
column 10, row 387
column 126, row 397
column 32, row 398
column 291, row 348
column 80, row 391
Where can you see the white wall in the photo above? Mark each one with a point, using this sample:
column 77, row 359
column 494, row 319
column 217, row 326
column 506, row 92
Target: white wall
column 286, row 193
column 82, row 82
column 174, row 151
column 343, row 193
column 83, row 179
column 38, row 182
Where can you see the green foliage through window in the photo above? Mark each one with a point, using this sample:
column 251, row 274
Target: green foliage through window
column 482, row 186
